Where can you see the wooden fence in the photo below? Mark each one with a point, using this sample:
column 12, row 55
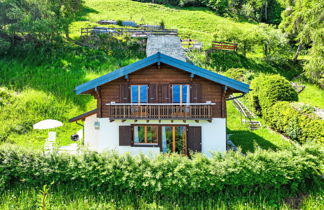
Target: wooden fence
column 127, row 31
column 224, row 46
column 191, row 44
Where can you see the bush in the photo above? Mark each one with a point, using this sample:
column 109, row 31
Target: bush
column 267, row 90
column 240, row 74
column 292, row 169
column 6, row 96
column 298, row 126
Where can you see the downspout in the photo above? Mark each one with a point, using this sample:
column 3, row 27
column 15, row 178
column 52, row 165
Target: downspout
column 236, row 97
column 98, row 92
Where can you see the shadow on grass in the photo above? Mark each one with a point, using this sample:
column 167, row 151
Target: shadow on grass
column 249, row 140
column 81, row 15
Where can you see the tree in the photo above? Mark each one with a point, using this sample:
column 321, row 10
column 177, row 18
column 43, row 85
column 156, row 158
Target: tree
column 302, row 20
column 34, row 21
column 245, row 38
column 275, row 43
column 314, row 68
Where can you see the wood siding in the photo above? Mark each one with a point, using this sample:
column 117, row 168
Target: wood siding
column 160, row 81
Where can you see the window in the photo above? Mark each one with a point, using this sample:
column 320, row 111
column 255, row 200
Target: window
column 145, row 135
column 174, row 139
column 180, row 93
column 139, row 94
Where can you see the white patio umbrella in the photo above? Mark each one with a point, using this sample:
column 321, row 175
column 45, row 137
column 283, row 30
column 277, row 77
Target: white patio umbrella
column 47, row 124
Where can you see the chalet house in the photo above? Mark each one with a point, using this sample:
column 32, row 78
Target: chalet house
column 158, row 104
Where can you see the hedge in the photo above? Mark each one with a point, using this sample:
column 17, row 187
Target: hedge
column 268, row 89
column 298, row 126
column 292, row 169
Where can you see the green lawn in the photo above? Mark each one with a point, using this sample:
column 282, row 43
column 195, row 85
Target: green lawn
column 247, row 139
column 312, row 95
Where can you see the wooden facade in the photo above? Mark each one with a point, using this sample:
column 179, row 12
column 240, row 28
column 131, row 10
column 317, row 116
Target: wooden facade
column 159, row 79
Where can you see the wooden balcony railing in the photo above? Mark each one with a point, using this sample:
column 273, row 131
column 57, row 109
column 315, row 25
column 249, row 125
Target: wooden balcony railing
column 194, row 111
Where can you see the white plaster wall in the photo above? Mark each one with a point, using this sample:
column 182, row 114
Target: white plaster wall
column 107, row 137
column 213, row 136
column 90, row 133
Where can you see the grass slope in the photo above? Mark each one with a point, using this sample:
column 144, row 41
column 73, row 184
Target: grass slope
column 312, row 95
column 42, row 87
column 247, row 139
column 194, row 22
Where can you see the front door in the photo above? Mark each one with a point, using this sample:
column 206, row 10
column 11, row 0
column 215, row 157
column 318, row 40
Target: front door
column 174, row 139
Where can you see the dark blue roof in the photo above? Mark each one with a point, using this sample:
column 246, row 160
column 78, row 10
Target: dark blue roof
column 159, row 57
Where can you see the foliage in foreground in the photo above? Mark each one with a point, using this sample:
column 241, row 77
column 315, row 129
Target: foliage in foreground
column 291, row 170
column 75, row 198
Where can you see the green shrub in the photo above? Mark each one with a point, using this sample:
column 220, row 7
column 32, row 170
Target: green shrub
column 291, row 169
column 240, row 74
column 6, row 96
column 269, row 89
column 298, row 126
column 119, row 22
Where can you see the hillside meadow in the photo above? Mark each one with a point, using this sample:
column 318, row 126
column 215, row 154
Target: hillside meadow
column 192, row 22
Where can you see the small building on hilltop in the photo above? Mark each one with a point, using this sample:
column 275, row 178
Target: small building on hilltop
column 158, row 104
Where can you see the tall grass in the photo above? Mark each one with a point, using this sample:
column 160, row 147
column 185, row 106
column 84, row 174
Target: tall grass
column 64, row 198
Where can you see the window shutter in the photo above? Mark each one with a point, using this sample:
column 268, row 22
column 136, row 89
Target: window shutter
column 194, row 138
column 195, row 93
column 125, row 135
column 153, row 96
column 165, row 95
column 124, row 93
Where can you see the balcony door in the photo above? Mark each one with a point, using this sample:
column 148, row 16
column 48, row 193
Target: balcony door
column 174, row 139
column 139, row 94
column 180, row 94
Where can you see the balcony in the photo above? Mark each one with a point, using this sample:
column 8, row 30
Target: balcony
column 159, row 111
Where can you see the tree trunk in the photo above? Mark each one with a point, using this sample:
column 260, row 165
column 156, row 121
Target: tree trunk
column 265, row 50
column 266, row 11
column 297, row 52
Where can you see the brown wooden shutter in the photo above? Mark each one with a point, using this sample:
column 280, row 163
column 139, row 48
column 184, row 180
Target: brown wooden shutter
column 124, row 93
column 165, row 93
column 195, row 93
column 125, row 135
column 153, row 93
column 194, row 138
